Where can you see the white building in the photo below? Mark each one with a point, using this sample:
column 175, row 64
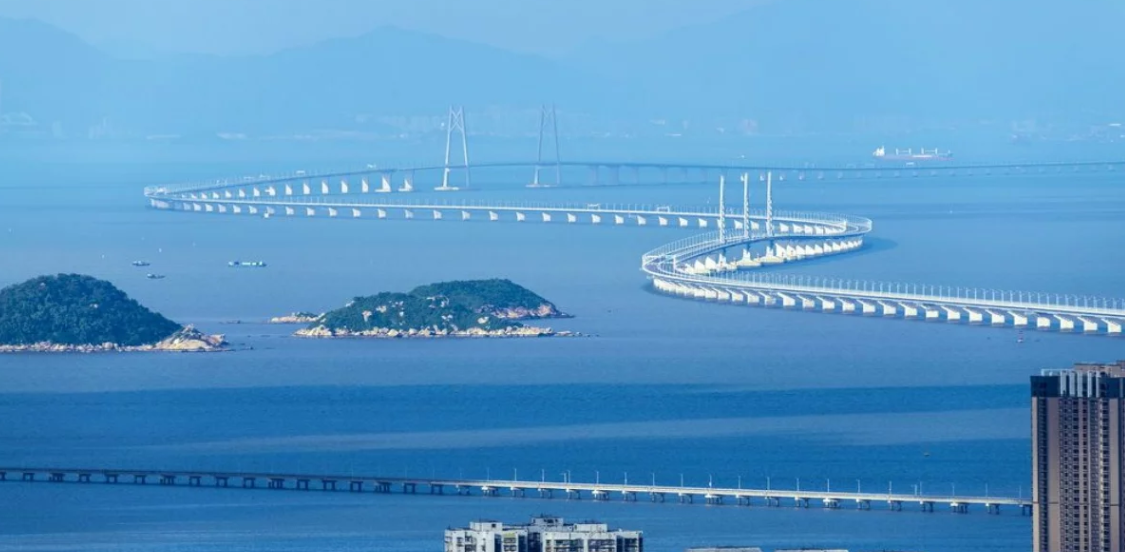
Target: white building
column 543, row 534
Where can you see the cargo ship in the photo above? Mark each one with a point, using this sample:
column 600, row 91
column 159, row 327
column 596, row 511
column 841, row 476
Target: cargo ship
column 246, row 264
column 924, row 154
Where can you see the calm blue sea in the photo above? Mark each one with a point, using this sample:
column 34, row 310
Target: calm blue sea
column 666, row 389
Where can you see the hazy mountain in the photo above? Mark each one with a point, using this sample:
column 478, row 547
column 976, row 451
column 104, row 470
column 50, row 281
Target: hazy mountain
column 829, row 61
column 822, row 64
column 55, row 76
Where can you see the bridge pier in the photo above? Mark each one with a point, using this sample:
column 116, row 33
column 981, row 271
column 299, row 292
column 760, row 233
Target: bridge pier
column 276, row 483
column 831, row 504
column 248, row 482
column 655, row 497
column 894, row 505
column 518, row 492
column 139, row 479
column 29, row 476
column 714, row 500
column 573, row 493
column 863, row 504
column 686, row 498
column 600, row 496
column 383, row 487
column 222, row 481
column 168, row 479
column 301, row 484
column 195, row 481
column 328, row 484
column 629, row 496
column 111, row 478
column 464, row 490
column 927, row 506
column 959, row 508
column 355, row 486
column 801, row 502
column 83, row 478
column 546, row 493
column 57, row 477
column 410, row 488
column 437, row 488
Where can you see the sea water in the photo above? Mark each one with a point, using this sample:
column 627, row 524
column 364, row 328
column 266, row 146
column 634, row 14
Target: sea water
column 665, row 390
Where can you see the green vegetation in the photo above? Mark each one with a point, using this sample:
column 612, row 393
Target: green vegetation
column 404, row 311
column 488, row 296
column 72, row 309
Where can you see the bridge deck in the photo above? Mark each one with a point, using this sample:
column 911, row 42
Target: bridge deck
column 597, row 491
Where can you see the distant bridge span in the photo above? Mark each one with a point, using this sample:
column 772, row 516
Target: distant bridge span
column 725, row 264
column 666, row 172
column 597, row 491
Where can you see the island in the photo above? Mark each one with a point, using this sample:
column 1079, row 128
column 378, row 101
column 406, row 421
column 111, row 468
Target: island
column 78, row 313
column 296, row 318
column 474, row 308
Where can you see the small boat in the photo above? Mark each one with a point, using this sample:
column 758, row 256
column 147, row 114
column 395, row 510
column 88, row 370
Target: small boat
column 141, row 263
column 151, row 276
column 247, row 264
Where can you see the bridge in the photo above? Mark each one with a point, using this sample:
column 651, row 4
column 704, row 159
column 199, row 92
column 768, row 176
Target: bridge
column 596, row 491
column 405, row 179
column 728, row 263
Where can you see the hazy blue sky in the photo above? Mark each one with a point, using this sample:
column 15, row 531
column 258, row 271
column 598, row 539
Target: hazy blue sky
column 254, row 26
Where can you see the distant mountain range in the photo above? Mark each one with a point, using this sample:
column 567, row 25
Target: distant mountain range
column 823, row 64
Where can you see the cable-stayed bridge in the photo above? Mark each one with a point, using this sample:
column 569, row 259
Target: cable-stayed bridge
column 728, row 263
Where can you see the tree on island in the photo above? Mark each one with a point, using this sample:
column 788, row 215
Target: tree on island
column 73, row 309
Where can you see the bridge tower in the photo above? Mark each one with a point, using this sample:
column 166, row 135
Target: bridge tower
column 722, row 207
column 456, row 123
column 769, row 205
column 746, row 206
column 547, row 118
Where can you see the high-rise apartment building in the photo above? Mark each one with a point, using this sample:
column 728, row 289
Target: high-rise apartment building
column 1078, row 427
column 543, row 534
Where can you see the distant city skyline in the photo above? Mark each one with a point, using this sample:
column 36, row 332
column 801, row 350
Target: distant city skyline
column 242, row 27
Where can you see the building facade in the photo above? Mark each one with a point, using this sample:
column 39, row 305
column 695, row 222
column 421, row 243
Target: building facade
column 1077, row 432
column 543, row 534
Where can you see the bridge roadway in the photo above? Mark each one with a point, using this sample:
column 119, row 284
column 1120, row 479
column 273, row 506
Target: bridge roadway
column 697, row 267
column 880, row 169
column 573, row 490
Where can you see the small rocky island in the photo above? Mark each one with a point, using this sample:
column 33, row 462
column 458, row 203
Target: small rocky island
column 474, row 308
column 76, row 313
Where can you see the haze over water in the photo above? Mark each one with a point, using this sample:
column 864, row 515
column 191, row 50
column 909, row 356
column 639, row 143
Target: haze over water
column 667, row 386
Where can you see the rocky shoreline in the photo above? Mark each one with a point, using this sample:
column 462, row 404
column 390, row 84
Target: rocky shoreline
column 187, row 340
column 390, row 333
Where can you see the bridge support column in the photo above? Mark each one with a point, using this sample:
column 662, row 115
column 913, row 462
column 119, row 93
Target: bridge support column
column 993, row 509
column 629, row 496
column 355, row 486
column 168, row 479
column 546, row 493
column 410, row 488
column 222, row 481
column 714, row 499
column 29, row 476
column 686, row 498
column 276, row 483
column 195, row 480
column 57, row 477
column 518, row 492
column 863, row 504
column 437, row 488
column 248, row 483
column 656, row 497
column 301, row 484
column 382, row 486
column 111, row 478
column 895, row 506
column 464, row 490
column 83, row 478
column 328, row 484
column 927, row 506
column 139, row 479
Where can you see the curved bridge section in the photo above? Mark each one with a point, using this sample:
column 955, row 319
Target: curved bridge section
column 702, row 268
column 724, row 264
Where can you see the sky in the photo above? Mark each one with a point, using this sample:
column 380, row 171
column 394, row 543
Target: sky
column 261, row 26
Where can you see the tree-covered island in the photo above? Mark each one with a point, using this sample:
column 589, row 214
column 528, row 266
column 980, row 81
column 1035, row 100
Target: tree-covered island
column 77, row 313
column 474, row 308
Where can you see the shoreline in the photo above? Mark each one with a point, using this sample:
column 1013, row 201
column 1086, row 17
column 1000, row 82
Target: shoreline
column 321, row 332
